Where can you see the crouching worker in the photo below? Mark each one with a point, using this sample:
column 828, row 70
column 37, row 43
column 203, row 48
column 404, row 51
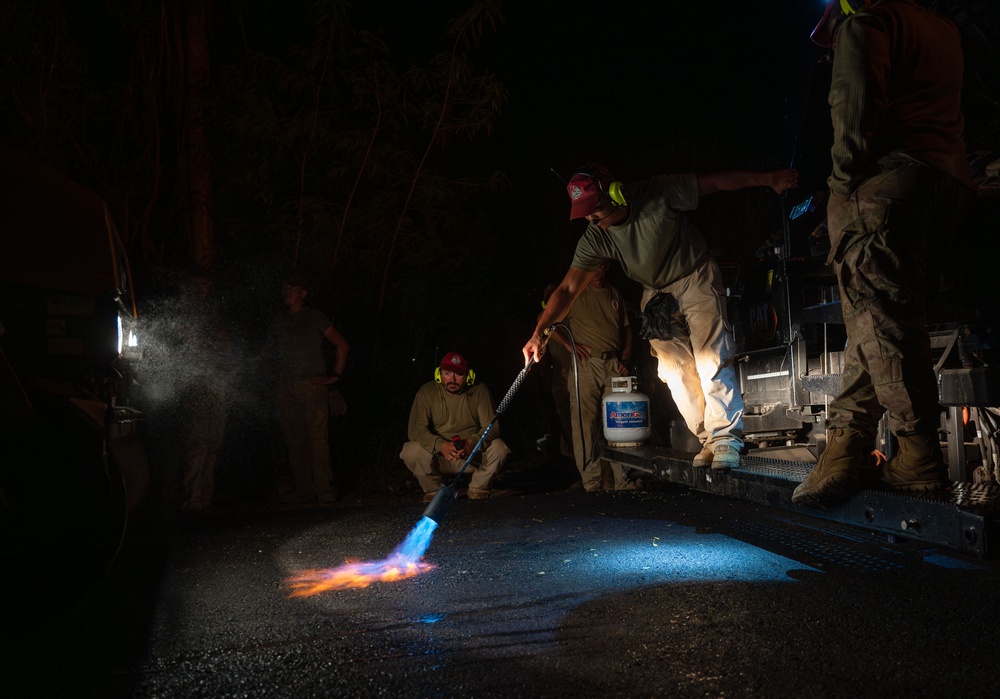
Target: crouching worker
column 448, row 417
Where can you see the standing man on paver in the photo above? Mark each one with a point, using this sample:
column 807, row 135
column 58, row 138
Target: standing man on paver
column 643, row 227
column 900, row 180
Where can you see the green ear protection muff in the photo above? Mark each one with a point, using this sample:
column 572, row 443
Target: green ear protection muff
column 849, row 7
column 598, row 174
column 616, row 194
column 470, row 378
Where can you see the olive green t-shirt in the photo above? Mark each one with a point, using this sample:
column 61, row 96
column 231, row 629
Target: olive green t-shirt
column 597, row 319
column 296, row 340
column 657, row 244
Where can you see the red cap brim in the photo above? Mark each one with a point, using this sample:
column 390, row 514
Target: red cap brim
column 823, row 33
column 584, row 206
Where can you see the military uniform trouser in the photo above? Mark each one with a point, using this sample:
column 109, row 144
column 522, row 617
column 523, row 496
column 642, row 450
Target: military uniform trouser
column 206, row 433
column 428, row 467
column 887, row 240
column 696, row 363
column 303, row 411
column 595, row 378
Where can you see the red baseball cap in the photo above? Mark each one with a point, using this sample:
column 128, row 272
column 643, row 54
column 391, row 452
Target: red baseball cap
column 585, row 189
column 825, row 32
column 584, row 194
column 455, row 362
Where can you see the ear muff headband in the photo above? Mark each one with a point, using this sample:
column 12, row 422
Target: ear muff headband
column 470, row 377
column 849, row 7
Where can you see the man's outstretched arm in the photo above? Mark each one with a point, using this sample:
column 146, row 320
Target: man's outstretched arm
column 559, row 303
column 731, row 180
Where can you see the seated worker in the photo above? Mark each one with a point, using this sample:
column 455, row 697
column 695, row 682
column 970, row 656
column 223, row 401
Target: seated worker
column 448, row 417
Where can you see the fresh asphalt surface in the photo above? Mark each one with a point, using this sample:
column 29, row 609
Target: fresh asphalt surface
column 660, row 593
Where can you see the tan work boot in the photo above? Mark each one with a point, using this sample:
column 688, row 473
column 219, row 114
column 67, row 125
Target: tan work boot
column 704, row 457
column 918, row 466
column 724, row 457
column 836, row 475
column 492, row 494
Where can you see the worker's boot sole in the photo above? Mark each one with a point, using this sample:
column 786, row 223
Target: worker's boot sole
column 827, row 492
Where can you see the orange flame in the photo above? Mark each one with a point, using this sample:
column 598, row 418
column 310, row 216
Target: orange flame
column 307, row 583
column 402, row 563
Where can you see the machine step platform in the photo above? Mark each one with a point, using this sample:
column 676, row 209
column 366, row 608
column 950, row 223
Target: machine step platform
column 965, row 519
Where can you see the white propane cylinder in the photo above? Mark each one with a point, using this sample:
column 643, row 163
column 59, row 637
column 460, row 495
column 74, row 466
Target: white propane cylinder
column 626, row 413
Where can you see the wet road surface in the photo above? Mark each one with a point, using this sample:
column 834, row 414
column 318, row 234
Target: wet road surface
column 658, row 593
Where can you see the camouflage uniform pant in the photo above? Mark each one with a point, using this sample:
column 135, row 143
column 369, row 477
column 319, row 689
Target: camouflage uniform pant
column 887, row 240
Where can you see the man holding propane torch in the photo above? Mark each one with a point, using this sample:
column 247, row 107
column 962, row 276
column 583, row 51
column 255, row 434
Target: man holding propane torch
column 643, row 227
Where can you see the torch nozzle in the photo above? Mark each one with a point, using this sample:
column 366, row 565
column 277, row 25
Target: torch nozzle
column 438, row 507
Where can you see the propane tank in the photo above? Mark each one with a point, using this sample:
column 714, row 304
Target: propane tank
column 626, row 413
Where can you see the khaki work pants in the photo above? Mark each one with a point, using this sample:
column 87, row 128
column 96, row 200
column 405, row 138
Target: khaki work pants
column 303, row 410
column 206, row 433
column 595, row 381
column 428, row 468
column 696, row 363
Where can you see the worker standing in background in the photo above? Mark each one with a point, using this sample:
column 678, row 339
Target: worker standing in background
column 602, row 341
column 295, row 342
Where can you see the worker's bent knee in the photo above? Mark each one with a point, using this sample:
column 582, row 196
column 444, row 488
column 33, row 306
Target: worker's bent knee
column 498, row 449
column 413, row 453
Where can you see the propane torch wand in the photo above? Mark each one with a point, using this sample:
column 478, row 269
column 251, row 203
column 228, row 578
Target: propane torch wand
column 438, row 507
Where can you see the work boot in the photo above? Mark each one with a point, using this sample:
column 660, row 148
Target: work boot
column 837, row 474
column 428, row 496
column 704, row 457
column 918, row 466
column 725, row 456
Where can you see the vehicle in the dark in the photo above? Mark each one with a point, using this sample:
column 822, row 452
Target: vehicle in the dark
column 72, row 466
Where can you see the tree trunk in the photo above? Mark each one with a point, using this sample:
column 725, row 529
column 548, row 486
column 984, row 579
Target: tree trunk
column 194, row 142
